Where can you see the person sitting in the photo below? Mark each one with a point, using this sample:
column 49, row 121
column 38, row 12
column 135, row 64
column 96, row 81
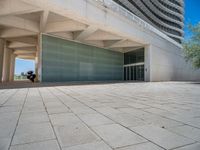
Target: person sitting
column 31, row 76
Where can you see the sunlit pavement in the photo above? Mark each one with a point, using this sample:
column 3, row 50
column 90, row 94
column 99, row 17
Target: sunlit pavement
column 121, row 116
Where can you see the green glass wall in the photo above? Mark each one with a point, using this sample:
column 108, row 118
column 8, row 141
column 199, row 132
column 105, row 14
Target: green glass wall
column 64, row 60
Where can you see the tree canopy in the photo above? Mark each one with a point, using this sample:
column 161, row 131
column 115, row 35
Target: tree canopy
column 192, row 46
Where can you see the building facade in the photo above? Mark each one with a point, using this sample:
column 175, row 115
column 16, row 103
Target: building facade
column 167, row 16
column 95, row 40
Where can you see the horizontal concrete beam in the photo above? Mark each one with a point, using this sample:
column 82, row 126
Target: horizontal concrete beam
column 14, row 45
column 27, row 48
column 16, row 7
column 95, row 43
column 109, row 43
column 64, row 35
column 64, row 26
column 24, row 53
column 28, row 40
column 26, row 57
column 14, row 32
column 17, row 22
column 125, row 43
column 128, row 49
column 102, row 35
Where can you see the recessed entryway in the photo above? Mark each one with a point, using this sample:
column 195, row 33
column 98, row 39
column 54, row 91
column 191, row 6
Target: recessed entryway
column 134, row 65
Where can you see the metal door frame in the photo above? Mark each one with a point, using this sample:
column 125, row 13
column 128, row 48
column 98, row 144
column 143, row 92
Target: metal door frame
column 128, row 69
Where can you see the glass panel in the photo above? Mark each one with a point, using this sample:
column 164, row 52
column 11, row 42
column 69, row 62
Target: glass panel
column 142, row 72
column 124, row 73
column 127, row 73
column 135, row 73
column 134, row 56
column 132, row 73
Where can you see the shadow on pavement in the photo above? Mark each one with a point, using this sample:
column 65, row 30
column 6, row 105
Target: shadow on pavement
column 27, row 84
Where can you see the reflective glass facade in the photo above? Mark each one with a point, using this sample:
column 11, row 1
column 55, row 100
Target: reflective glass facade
column 64, row 60
column 136, row 56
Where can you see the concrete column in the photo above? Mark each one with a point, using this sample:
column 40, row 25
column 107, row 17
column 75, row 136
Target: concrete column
column 1, row 57
column 38, row 61
column 12, row 67
column 147, row 61
column 6, row 63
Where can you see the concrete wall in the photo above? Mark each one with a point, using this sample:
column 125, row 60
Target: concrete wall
column 64, row 60
column 167, row 63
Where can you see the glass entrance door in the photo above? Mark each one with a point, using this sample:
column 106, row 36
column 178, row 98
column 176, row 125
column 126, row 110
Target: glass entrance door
column 135, row 72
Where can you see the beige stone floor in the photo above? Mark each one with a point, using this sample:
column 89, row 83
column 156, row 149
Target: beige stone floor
column 121, row 116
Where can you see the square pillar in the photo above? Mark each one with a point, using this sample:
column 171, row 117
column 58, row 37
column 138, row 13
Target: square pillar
column 147, row 61
column 6, row 64
column 12, row 67
column 38, row 59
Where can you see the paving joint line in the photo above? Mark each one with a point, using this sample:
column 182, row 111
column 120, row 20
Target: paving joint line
column 49, row 119
column 112, row 120
column 9, row 97
column 81, row 119
column 25, row 99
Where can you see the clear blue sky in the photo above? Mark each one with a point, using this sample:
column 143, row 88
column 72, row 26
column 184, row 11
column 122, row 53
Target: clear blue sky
column 192, row 15
column 24, row 66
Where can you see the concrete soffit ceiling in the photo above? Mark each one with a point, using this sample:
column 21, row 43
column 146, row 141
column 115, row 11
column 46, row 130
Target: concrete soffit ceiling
column 22, row 21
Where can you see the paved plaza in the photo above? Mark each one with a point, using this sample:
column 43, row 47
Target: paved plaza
column 121, row 116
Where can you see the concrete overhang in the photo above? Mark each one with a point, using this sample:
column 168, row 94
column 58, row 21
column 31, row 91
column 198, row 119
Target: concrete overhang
column 100, row 23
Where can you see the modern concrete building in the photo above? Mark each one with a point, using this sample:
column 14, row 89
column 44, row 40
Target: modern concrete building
column 94, row 40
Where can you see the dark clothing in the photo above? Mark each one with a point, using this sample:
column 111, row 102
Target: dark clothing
column 31, row 76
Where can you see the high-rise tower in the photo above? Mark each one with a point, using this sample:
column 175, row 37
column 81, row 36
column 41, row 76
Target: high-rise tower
column 166, row 15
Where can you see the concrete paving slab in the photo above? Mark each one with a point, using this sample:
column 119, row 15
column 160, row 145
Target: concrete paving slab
column 57, row 110
column 162, row 137
column 117, row 136
column 142, row 146
column 95, row 119
column 75, row 135
column 4, row 143
column 8, row 109
column 127, row 120
column 27, row 133
column 195, row 146
column 64, row 119
column 187, row 131
column 71, row 131
column 45, row 145
column 90, row 146
column 82, row 110
column 8, row 122
column 33, row 117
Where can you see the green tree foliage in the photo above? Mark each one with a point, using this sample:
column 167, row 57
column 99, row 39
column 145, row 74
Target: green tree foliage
column 192, row 46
